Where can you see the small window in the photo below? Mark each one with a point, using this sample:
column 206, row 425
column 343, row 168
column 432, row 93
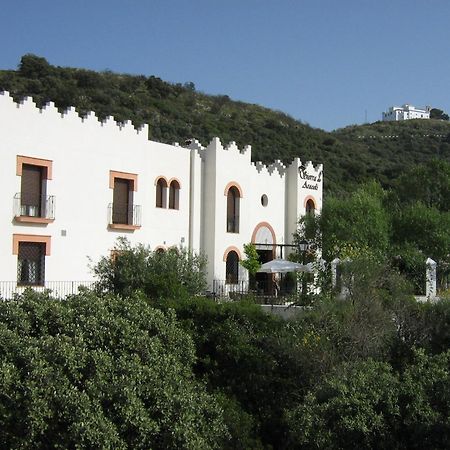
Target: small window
column 264, row 200
column 31, row 264
column 310, row 208
column 233, row 199
column 174, row 195
column 161, row 193
column 232, row 268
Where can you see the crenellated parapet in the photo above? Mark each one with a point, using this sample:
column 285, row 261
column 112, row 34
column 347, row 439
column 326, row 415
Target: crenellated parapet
column 230, row 151
column 70, row 113
column 276, row 168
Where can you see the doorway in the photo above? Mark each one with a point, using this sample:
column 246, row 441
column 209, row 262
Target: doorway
column 264, row 281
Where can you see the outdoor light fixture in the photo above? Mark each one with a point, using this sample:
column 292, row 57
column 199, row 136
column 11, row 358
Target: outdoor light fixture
column 303, row 245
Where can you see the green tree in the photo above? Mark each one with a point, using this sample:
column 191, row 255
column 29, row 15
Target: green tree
column 426, row 183
column 420, row 232
column 355, row 225
column 32, row 66
column 352, row 408
column 436, row 113
column 251, row 262
column 171, row 274
column 368, row 405
column 100, row 372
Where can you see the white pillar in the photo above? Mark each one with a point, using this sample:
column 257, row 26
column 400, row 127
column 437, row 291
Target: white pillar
column 431, row 279
column 334, row 265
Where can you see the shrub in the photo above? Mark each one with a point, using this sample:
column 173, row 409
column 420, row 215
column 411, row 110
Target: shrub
column 175, row 273
column 100, row 372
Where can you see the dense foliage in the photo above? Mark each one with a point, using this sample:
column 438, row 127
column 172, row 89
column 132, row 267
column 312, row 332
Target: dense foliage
column 144, row 362
column 178, row 112
column 405, row 225
column 100, row 372
column 175, row 273
column 124, row 370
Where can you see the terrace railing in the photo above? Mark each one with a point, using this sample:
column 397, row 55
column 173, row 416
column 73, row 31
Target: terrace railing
column 57, row 289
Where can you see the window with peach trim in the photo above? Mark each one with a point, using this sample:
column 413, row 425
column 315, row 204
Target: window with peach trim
column 124, row 215
column 174, row 195
column 31, row 204
column 310, row 205
column 233, row 209
column 113, row 174
column 272, row 232
column 161, row 192
column 31, row 251
column 232, row 267
column 44, row 163
column 232, row 249
column 31, row 238
column 233, row 184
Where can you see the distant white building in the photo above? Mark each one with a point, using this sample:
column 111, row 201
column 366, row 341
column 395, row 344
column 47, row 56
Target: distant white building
column 406, row 112
column 72, row 185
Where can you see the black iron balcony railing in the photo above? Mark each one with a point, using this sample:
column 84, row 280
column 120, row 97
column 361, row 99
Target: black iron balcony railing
column 124, row 214
column 34, row 206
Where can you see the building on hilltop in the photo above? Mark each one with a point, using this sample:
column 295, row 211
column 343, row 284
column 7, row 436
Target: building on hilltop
column 72, row 185
column 406, row 112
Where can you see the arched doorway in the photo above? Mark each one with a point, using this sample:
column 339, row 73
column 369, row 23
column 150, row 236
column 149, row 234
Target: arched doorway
column 265, row 241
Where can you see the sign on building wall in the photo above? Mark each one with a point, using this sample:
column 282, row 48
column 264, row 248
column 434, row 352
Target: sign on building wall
column 310, row 181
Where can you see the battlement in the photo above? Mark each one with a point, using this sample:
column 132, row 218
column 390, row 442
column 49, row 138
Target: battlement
column 310, row 167
column 270, row 169
column 91, row 119
column 27, row 103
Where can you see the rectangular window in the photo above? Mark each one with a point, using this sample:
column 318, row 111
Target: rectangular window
column 123, row 213
column 31, row 264
column 122, row 202
column 32, row 204
column 31, row 188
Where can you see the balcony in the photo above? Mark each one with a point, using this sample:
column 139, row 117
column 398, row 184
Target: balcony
column 39, row 209
column 124, row 216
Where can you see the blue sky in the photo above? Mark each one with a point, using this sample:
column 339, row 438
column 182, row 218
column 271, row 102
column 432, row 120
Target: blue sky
column 325, row 62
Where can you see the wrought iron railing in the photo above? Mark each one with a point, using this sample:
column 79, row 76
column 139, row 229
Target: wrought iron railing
column 57, row 289
column 41, row 207
column 124, row 214
column 263, row 291
column 223, row 288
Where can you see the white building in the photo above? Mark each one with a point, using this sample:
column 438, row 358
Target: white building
column 406, row 112
column 72, row 185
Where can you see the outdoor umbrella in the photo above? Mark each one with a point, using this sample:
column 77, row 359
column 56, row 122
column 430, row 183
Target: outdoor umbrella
column 282, row 266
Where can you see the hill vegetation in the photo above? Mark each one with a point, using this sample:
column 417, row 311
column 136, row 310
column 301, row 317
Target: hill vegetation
column 122, row 367
column 177, row 112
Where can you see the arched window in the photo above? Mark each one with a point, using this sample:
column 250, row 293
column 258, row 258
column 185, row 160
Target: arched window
column 174, row 195
column 161, row 193
column 233, row 198
column 310, row 208
column 232, row 268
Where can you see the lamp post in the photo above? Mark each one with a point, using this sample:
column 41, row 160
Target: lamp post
column 303, row 247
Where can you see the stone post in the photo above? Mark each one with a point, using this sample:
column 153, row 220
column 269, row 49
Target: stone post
column 430, row 290
column 334, row 265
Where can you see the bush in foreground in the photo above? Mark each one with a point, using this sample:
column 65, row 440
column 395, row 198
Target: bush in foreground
column 95, row 372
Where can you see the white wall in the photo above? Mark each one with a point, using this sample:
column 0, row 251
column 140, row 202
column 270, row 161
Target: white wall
column 84, row 151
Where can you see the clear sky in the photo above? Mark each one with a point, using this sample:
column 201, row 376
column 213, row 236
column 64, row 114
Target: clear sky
column 325, row 62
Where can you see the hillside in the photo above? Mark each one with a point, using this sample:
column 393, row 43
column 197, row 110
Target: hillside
column 177, row 112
